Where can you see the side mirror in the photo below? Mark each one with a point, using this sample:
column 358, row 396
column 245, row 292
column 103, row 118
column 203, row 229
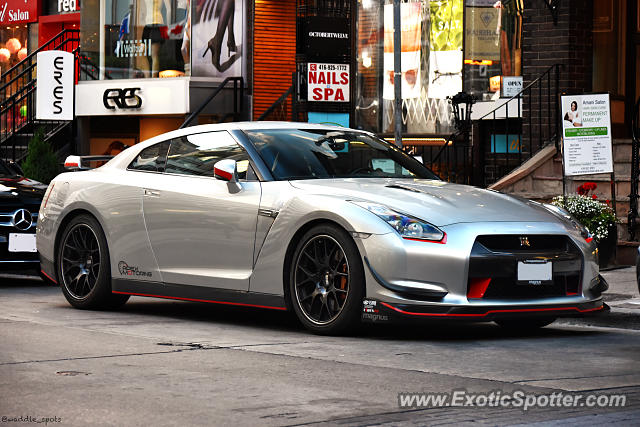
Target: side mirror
column 226, row 170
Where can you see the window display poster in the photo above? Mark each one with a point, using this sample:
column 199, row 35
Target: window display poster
column 218, row 33
column 411, row 22
column 445, row 56
column 482, row 34
column 586, row 130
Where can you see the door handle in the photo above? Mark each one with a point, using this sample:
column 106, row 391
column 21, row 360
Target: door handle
column 151, row 193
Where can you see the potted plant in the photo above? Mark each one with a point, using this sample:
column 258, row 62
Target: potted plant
column 41, row 163
column 597, row 216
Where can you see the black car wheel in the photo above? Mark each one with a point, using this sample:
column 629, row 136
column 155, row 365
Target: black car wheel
column 83, row 266
column 326, row 281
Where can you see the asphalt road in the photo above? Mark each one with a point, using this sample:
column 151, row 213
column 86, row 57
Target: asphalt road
column 158, row 362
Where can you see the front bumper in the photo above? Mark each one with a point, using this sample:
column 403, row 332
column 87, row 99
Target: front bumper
column 16, row 262
column 474, row 276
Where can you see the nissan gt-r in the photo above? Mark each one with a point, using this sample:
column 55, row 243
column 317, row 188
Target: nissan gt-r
column 334, row 224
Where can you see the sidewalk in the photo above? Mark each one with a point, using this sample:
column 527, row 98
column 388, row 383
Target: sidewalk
column 622, row 297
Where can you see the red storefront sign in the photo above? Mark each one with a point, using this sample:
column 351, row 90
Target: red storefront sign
column 14, row 12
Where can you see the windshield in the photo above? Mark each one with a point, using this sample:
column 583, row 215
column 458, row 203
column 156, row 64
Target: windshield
column 308, row 153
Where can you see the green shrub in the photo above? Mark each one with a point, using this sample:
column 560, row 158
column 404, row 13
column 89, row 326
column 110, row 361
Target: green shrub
column 41, row 163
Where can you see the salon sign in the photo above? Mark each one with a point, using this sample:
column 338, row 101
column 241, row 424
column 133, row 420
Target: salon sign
column 586, row 132
column 18, row 11
column 328, row 82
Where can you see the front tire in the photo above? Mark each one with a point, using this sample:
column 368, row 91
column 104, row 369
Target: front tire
column 83, row 268
column 326, row 281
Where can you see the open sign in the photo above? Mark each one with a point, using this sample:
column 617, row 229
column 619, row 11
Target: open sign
column 328, row 82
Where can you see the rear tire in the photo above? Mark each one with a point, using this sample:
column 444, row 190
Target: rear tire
column 82, row 266
column 326, row 281
column 527, row 324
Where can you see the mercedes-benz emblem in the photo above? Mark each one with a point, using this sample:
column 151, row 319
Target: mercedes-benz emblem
column 22, row 219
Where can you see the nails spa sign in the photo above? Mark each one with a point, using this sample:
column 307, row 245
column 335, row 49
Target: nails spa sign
column 328, row 82
column 18, row 11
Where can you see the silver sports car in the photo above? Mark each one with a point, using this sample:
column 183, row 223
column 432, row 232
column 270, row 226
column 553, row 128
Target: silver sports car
column 331, row 223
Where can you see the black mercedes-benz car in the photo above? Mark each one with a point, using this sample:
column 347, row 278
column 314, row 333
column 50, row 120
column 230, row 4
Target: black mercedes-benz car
column 20, row 200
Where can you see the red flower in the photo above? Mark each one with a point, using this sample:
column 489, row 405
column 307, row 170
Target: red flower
column 593, row 196
column 584, row 189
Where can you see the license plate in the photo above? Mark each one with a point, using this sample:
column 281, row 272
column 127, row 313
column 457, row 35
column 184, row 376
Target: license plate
column 22, row 242
column 535, row 272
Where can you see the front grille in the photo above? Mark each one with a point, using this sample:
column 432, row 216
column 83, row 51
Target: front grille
column 6, row 220
column 508, row 288
column 496, row 257
column 514, row 243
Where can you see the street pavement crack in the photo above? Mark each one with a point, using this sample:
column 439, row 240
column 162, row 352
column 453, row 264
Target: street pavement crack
column 110, row 356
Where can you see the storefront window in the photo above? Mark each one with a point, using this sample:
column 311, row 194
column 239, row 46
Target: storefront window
column 431, row 64
column 493, row 36
column 13, row 45
column 141, row 39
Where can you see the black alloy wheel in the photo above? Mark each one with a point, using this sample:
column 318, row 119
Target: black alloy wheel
column 327, row 280
column 83, row 265
column 80, row 261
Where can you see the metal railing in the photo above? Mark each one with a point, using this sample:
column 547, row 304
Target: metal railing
column 516, row 130
column 238, row 100
column 635, row 172
column 278, row 110
column 448, row 156
column 18, row 100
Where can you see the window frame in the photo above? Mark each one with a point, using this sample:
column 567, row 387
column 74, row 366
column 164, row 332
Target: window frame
column 130, row 168
column 257, row 169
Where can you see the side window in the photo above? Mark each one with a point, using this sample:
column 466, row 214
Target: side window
column 151, row 159
column 197, row 154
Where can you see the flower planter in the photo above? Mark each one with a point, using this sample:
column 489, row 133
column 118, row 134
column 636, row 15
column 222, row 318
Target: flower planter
column 607, row 247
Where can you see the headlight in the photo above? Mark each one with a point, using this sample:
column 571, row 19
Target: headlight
column 564, row 214
column 407, row 226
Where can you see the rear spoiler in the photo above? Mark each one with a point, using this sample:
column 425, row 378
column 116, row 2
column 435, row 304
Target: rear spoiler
column 79, row 163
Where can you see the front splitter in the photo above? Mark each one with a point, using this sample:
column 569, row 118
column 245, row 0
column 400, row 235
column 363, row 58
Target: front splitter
column 378, row 311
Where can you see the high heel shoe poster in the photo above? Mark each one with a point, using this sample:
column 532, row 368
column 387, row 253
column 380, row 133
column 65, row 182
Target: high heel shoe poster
column 217, row 38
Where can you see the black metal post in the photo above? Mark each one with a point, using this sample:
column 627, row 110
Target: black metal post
column 397, row 72
column 294, row 97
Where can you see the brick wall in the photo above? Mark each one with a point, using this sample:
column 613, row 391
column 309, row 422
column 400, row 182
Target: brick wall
column 569, row 42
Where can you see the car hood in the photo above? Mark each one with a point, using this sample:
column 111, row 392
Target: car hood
column 20, row 190
column 439, row 202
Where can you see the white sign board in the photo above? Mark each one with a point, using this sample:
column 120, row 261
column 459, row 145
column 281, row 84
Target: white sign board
column 130, row 97
column 328, row 82
column 586, row 131
column 54, row 94
column 511, row 86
